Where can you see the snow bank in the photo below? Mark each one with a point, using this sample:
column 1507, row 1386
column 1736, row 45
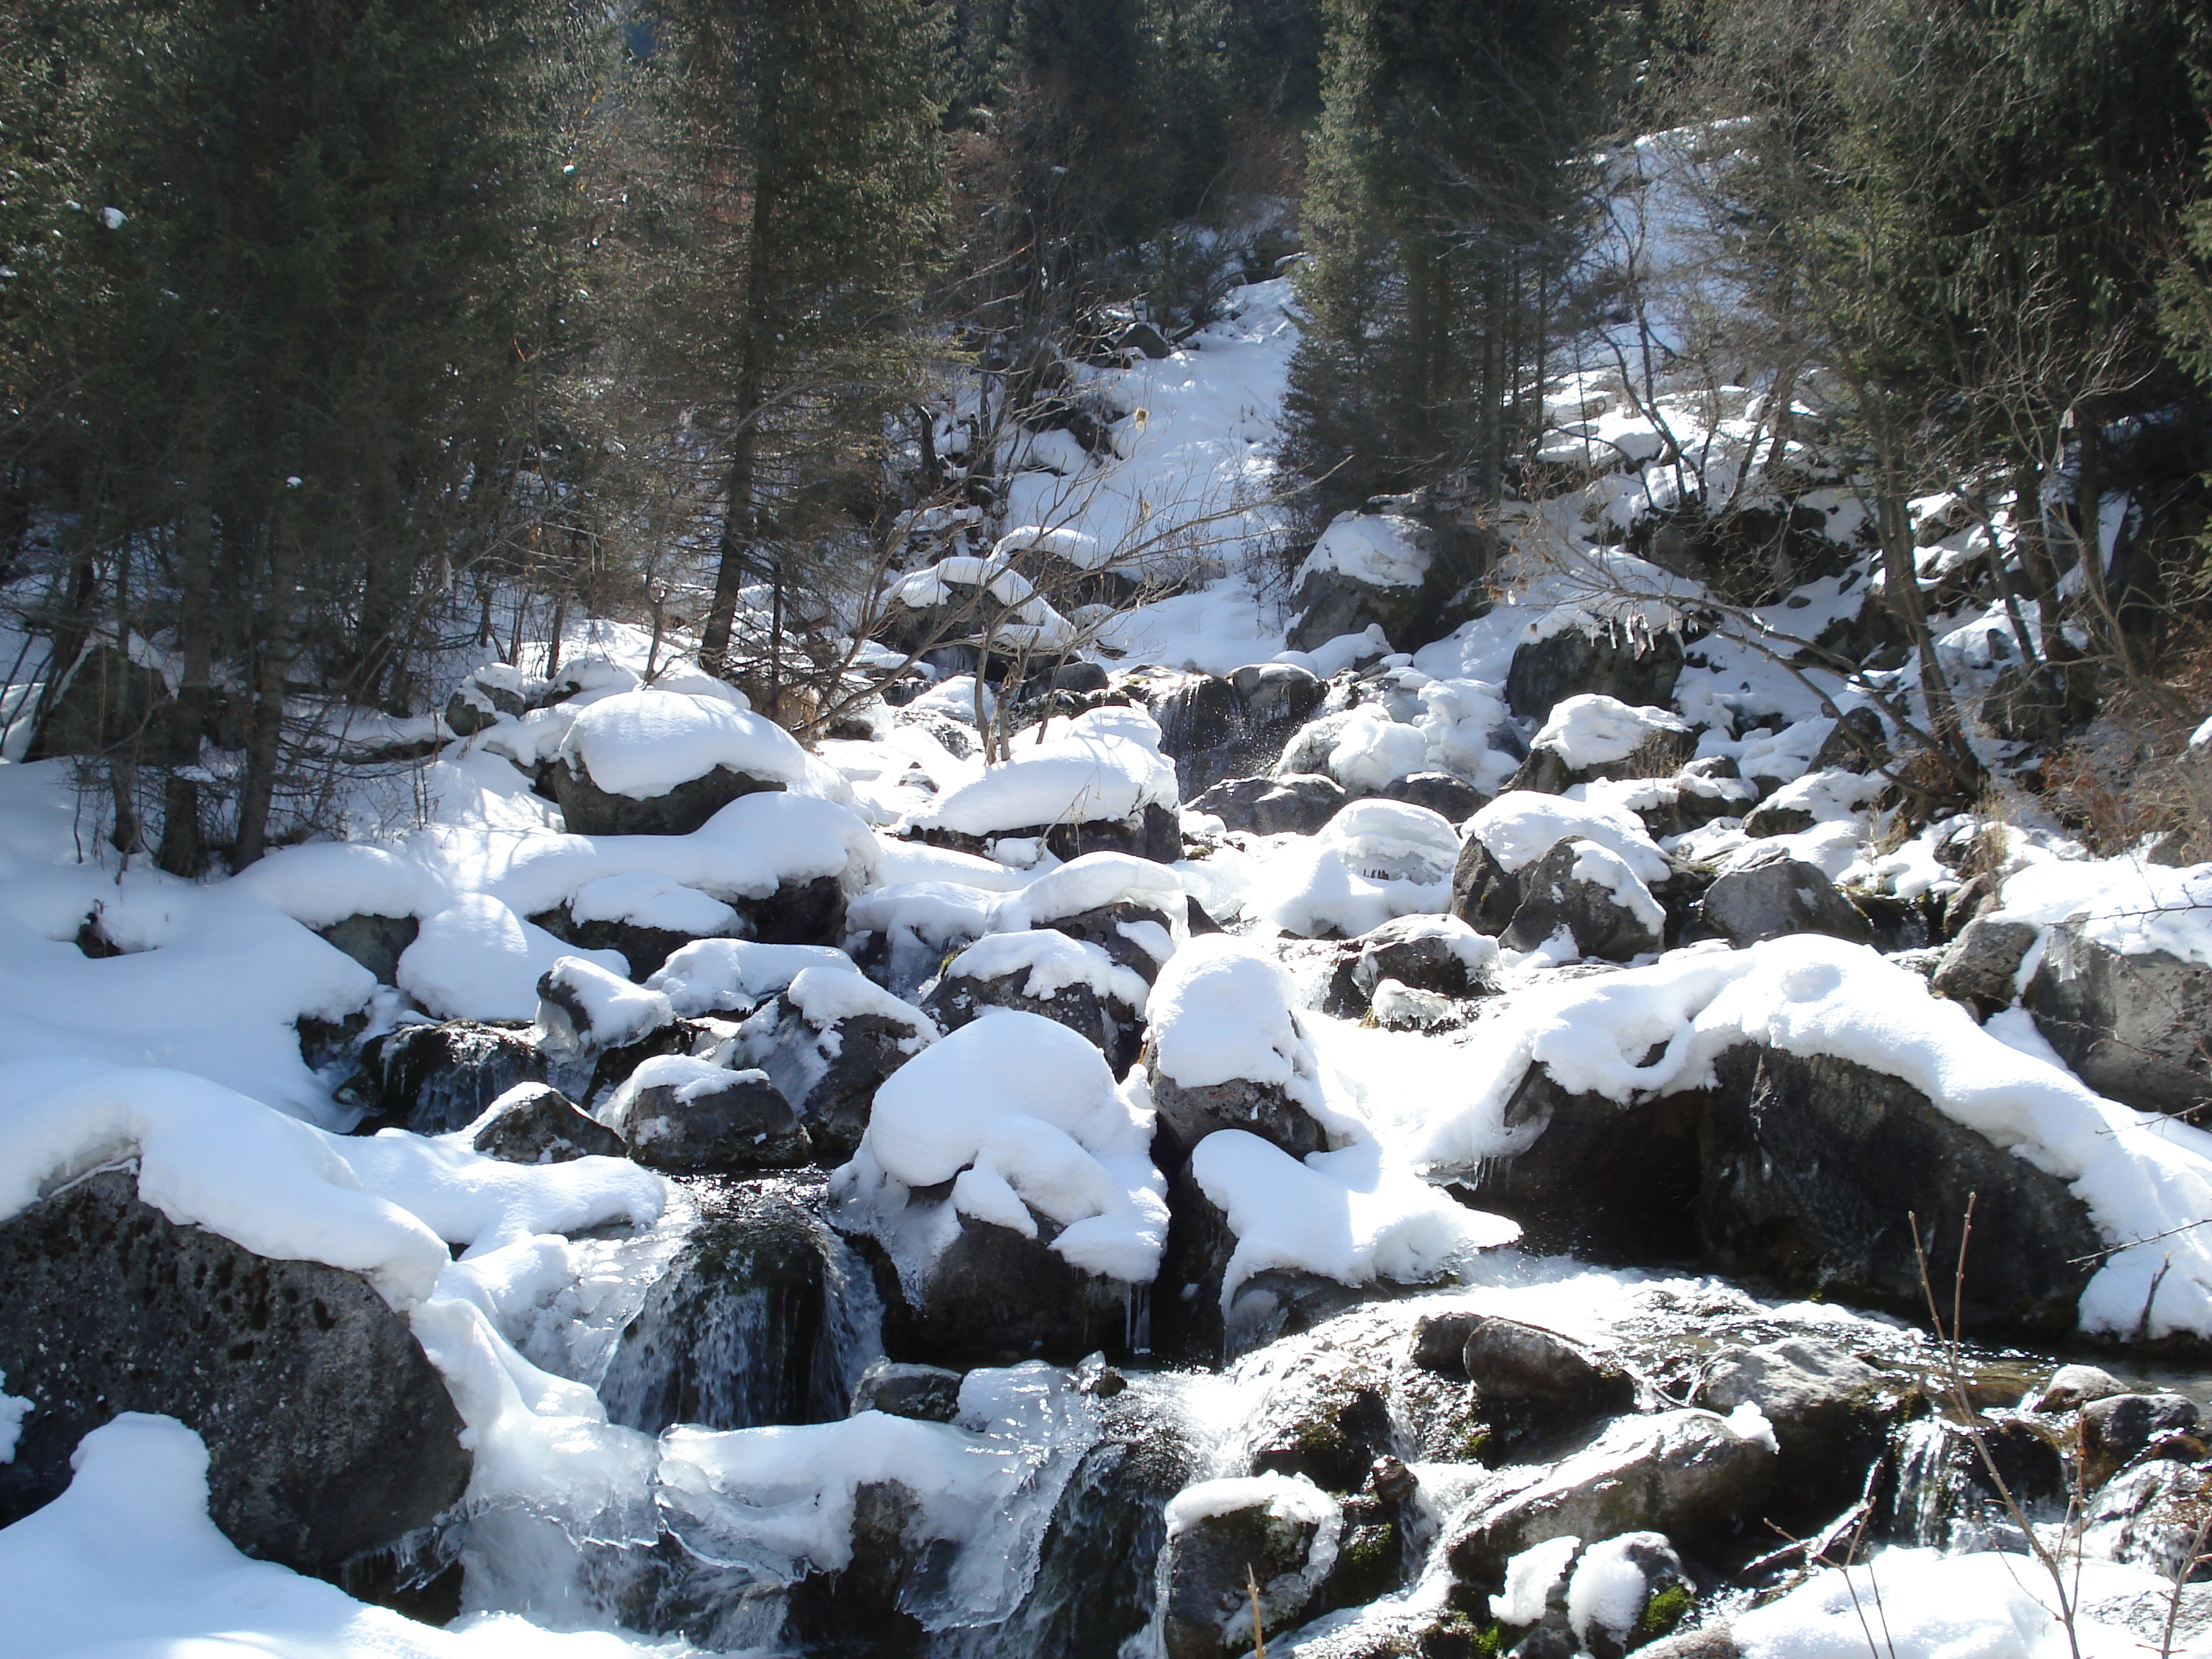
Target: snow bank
column 643, row 744
column 645, row 898
column 325, row 882
column 1372, row 548
column 1091, row 883
column 2146, row 1179
column 1082, row 551
column 1595, row 730
column 735, row 975
column 1021, row 1115
column 1520, row 826
column 127, row 1561
column 1374, row 750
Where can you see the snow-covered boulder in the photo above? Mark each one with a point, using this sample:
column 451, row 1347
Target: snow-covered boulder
column 969, row 600
column 1099, row 784
column 1381, row 570
column 828, row 1040
column 1225, row 1051
column 1686, row 1474
column 1011, row 1186
column 655, row 762
column 735, row 977
column 1131, row 908
column 1374, row 861
column 693, row 1117
column 329, row 1433
column 1592, row 737
column 477, row 959
column 1520, row 828
column 582, row 1008
column 1046, row 972
column 1628, row 663
column 642, row 916
column 1441, row 955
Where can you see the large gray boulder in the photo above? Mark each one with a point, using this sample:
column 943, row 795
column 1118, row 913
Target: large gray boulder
column 1298, row 805
column 690, row 1116
column 2132, row 1026
column 1596, row 900
column 827, row 1042
column 1440, row 954
column 993, row 1297
column 1043, row 971
column 532, row 1123
column 1771, row 895
column 1979, row 967
column 1815, row 1167
column 329, row 1434
column 588, row 809
column 1831, row 1410
column 1625, row 661
column 1686, row 1474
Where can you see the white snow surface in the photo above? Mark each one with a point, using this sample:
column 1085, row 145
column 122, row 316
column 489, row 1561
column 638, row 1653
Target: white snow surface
column 477, row 959
column 616, row 1013
column 1092, row 771
column 645, row 898
column 644, row 742
column 1608, row 1590
column 735, row 975
column 127, row 1562
column 1286, row 1497
column 1051, row 962
column 1375, row 860
column 2126, row 904
column 1530, row 1579
column 1222, row 1011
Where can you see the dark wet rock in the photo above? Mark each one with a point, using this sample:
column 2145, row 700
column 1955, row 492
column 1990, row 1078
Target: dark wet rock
column 1485, row 894
column 1330, row 603
column 1143, row 337
column 1298, row 805
column 1767, row 896
column 1532, row 1372
column 329, row 1433
column 433, row 1080
column 1685, row 1473
column 1440, row 954
column 111, row 705
column 646, row 950
column 2132, row 1027
column 531, row 1123
column 1189, row 1320
column 1944, row 1495
column 1616, row 1184
column 588, row 809
column 689, row 1117
column 374, row 942
column 2122, row 1427
column 1831, row 1410
column 1440, row 792
column 1778, row 816
column 1804, row 1169
column 1814, row 1166
column 1188, row 1114
column 929, row 1394
column 1113, row 1510
column 1213, row 728
column 1553, row 897
column 1979, row 966
column 1631, row 663
column 738, row 1332
column 830, row 1072
column 1208, row 1569
column 1858, row 744
column 1081, row 678
column 1330, row 1436
column 992, row 1297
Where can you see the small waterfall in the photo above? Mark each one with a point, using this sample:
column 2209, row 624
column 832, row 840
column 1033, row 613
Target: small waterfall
column 764, row 1316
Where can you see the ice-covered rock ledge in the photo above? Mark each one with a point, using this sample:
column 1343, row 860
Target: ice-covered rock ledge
column 2145, row 1180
